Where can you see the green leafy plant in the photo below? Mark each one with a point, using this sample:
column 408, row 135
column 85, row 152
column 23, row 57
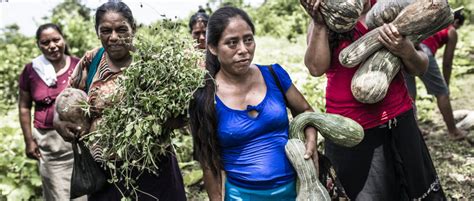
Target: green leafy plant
column 16, row 50
column 19, row 176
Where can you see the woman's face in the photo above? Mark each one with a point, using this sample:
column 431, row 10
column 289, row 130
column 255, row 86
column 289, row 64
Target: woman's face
column 116, row 35
column 199, row 34
column 52, row 44
column 236, row 47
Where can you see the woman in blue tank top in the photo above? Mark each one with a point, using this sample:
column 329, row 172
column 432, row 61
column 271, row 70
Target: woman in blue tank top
column 239, row 119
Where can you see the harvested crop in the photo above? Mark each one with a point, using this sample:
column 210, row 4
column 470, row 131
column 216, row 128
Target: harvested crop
column 155, row 88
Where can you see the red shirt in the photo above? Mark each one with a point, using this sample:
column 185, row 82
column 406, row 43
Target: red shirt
column 339, row 98
column 44, row 96
column 438, row 39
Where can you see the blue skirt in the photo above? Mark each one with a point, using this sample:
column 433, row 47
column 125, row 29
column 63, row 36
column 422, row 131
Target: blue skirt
column 286, row 192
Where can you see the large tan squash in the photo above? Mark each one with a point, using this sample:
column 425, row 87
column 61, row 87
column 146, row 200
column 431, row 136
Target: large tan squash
column 341, row 15
column 370, row 82
column 385, row 11
column 417, row 21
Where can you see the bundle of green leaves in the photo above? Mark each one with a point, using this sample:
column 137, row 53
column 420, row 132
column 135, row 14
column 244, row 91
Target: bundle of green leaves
column 156, row 87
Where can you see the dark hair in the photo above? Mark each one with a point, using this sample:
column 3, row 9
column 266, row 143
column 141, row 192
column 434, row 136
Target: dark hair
column 202, row 111
column 116, row 6
column 52, row 26
column 199, row 16
column 459, row 16
column 335, row 38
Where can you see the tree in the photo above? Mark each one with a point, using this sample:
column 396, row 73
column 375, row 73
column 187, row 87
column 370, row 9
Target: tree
column 78, row 27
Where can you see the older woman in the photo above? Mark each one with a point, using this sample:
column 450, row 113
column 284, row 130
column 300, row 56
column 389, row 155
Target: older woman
column 40, row 83
column 115, row 27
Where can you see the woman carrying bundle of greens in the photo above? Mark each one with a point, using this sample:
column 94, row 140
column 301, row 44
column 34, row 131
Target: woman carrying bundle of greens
column 392, row 162
column 115, row 28
column 239, row 120
column 197, row 28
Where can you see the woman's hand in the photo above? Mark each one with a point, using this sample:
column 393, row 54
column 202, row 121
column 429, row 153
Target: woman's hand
column 414, row 61
column 68, row 130
column 397, row 44
column 32, row 150
column 311, row 146
column 311, row 7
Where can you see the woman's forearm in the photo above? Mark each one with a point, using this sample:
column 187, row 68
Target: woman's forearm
column 25, row 123
column 24, row 109
column 416, row 63
column 213, row 185
column 317, row 56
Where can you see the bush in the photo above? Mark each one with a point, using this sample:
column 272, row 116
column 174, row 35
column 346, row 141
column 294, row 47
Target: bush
column 19, row 176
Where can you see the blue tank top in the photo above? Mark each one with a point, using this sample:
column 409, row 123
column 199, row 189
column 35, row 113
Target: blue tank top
column 253, row 148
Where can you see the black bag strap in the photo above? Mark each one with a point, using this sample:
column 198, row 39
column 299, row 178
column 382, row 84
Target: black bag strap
column 93, row 68
column 277, row 81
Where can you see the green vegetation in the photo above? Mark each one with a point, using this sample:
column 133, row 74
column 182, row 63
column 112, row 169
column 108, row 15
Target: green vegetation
column 19, row 176
column 156, row 87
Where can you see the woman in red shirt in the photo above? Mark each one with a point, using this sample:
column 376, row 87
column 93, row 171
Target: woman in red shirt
column 40, row 83
column 392, row 162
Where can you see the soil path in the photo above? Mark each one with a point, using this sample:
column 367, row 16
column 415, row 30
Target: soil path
column 454, row 161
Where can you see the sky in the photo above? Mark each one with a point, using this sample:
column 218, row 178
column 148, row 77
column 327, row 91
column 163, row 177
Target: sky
column 28, row 13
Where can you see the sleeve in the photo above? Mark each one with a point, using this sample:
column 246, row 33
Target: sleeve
column 79, row 75
column 24, row 81
column 444, row 35
column 283, row 76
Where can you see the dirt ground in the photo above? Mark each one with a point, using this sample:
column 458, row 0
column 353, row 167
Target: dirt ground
column 454, row 161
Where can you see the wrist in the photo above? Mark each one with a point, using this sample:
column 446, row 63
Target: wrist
column 410, row 55
column 319, row 25
column 319, row 29
column 29, row 142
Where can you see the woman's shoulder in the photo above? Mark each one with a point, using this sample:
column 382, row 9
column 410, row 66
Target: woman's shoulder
column 86, row 59
column 75, row 59
column 28, row 66
column 274, row 66
column 89, row 55
column 276, row 72
column 27, row 69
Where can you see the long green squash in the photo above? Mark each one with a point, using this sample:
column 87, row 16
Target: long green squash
column 310, row 188
column 370, row 82
column 417, row 21
column 339, row 129
column 341, row 15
